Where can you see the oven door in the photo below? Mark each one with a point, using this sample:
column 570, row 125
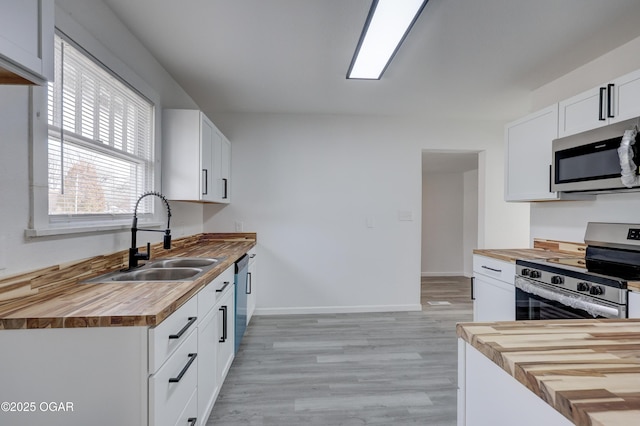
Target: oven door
column 538, row 301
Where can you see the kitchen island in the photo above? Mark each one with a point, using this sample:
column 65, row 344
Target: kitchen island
column 582, row 372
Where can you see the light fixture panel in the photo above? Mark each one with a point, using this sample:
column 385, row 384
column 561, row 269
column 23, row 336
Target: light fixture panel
column 387, row 25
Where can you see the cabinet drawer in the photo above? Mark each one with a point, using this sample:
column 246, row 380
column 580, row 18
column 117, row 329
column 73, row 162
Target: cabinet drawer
column 174, row 383
column 188, row 417
column 170, row 333
column 499, row 269
column 212, row 292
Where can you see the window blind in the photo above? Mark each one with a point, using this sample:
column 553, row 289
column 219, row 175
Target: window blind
column 100, row 139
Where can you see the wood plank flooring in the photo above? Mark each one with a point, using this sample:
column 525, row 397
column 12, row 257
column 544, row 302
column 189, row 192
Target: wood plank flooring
column 350, row 369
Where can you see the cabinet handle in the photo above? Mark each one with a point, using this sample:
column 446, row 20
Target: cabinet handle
column 192, row 357
column 225, row 188
column 224, row 324
column 491, row 269
column 248, row 283
column 601, row 116
column 221, row 289
column 191, row 421
column 185, row 328
column 473, row 296
column 610, row 88
column 205, row 178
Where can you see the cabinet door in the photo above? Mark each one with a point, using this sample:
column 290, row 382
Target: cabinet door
column 583, row 112
column 226, row 334
column 208, row 385
column 207, row 156
column 225, row 170
column 528, row 156
column 26, row 41
column 634, row 305
column 494, row 300
column 626, row 93
column 252, row 278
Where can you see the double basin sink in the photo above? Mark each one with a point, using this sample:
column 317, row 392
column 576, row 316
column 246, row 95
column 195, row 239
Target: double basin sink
column 176, row 269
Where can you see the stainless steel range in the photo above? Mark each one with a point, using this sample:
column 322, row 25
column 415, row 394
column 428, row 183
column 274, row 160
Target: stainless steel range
column 593, row 287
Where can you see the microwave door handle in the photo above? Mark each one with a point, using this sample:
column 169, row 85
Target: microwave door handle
column 610, row 89
column 601, row 116
column 550, row 178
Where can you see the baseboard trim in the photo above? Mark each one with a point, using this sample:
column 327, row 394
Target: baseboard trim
column 442, row 274
column 337, row 309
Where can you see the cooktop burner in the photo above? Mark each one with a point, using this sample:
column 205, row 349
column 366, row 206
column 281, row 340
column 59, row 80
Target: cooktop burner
column 577, row 268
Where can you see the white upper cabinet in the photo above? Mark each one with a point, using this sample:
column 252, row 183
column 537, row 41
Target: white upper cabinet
column 609, row 103
column 528, row 156
column 196, row 163
column 26, row 41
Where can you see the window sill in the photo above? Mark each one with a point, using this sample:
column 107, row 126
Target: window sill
column 83, row 229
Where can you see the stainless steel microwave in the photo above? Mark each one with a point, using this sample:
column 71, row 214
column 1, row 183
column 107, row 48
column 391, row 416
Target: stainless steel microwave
column 589, row 161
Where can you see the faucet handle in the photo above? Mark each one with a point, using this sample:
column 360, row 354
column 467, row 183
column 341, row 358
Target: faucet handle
column 148, row 254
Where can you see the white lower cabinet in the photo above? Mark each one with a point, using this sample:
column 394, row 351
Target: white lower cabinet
column 634, row 305
column 494, row 293
column 226, row 333
column 166, row 375
column 487, row 395
column 210, row 348
column 171, row 387
column 252, row 279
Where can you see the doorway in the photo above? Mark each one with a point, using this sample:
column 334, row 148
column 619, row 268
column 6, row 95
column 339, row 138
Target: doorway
column 449, row 212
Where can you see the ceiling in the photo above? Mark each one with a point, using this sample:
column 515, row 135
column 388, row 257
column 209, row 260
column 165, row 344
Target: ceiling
column 464, row 58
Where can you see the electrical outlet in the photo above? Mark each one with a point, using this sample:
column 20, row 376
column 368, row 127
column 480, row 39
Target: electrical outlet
column 239, row 226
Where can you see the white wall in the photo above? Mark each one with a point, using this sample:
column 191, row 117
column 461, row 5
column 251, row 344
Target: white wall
column 18, row 254
column 567, row 220
column 469, row 220
column 442, row 224
column 307, row 184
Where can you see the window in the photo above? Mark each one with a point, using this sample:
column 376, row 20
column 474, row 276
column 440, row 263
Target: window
column 100, row 140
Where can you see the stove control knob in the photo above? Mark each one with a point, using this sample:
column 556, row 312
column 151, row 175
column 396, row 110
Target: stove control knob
column 583, row 286
column 596, row 290
column 534, row 274
column 557, row 279
column 525, row 272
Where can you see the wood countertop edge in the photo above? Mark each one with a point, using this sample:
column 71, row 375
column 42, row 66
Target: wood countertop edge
column 573, row 408
column 79, row 316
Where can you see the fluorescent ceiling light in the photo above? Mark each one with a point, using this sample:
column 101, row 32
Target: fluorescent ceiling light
column 387, row 25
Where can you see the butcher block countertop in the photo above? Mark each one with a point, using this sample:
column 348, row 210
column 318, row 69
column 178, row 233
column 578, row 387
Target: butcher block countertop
column 542, row 249
column 588, row 370
column 54, row 297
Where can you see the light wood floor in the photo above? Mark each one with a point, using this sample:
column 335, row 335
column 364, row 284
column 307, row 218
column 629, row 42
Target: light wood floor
column 350, row 369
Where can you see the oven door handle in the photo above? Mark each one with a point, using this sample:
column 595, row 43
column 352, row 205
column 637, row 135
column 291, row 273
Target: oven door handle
column 575, row 301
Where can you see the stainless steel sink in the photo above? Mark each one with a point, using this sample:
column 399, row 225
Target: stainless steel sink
column 162, row 270
column 184, row 262
column 158, row 274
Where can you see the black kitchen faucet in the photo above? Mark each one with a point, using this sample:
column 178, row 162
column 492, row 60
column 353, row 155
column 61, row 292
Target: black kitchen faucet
column 134, row 255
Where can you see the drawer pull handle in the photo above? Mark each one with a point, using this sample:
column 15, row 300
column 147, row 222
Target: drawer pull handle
column 492, row 269
column 221, row 289
column 192, row 357
column 249, row 283
column 473, row 280
column 192, row 421
column 224, row 324
column 185, row 328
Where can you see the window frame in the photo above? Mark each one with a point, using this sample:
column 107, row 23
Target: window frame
column 41, row 224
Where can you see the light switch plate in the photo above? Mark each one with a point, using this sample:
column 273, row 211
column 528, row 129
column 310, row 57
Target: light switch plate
column 239, row 226
column 405, row 215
